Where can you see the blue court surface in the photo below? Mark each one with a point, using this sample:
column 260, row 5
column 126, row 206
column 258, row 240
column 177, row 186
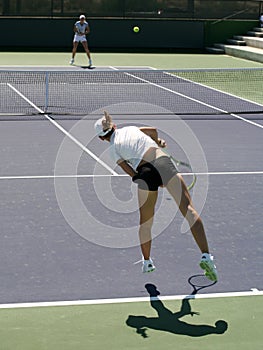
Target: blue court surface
column 69, row 216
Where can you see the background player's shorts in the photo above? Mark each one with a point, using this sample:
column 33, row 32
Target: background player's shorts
column 79, row 38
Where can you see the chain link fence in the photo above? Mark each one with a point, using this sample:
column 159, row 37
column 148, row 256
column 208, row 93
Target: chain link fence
column 187, row 9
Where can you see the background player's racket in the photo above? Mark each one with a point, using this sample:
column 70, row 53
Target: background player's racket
column 199, row 282
column 78, row 30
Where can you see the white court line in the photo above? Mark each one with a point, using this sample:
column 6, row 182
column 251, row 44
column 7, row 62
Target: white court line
column 135, row 68
column 35, row 177
column 197, row 101
column 65, row 132
column 32, row 177
column 253, row 292
column 93, row 84
column 109, row 84
column 227, row 173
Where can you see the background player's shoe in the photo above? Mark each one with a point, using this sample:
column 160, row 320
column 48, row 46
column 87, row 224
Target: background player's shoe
column 71, row 61
column 208, row 266
column 147, row 266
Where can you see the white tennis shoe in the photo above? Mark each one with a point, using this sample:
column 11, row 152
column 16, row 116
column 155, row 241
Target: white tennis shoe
column 71, row 61
column 208, row 266
column 147, row 266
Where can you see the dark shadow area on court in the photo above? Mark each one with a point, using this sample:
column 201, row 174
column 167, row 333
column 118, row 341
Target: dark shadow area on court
column 169, row 321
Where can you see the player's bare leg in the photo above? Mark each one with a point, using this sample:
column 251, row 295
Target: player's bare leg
column 74, row 50
column 86, row 48
column 147, row 201
column 178, row 190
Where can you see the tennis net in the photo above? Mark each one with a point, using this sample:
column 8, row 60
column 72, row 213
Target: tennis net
column 209, row 92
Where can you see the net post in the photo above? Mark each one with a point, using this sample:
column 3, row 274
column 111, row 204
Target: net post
column 47, row 92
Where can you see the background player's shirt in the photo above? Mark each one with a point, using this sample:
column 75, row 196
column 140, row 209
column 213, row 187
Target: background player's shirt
column 81, row 27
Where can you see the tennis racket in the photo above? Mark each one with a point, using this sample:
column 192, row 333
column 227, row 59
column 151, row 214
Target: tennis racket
column 185, row 169
column 78, row 32
column 199, row 282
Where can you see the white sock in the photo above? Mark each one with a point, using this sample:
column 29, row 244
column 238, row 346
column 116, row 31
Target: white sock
column 148, row 261
column 207, row 256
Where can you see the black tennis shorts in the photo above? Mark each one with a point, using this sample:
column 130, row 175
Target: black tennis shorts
column 154, row 174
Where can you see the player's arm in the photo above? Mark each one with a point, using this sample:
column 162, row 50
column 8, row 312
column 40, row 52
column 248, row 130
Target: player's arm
column 126, row 167
column 153, row 133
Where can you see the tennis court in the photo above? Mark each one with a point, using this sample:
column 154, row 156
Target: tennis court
column 69, row 245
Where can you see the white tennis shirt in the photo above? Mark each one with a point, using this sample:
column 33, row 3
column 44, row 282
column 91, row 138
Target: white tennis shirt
column 81, row 27
column 130, row 144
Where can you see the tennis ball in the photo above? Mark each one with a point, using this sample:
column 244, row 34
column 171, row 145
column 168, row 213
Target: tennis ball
column 136, row 29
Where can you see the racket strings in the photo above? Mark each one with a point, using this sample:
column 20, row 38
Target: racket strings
column 184, row 168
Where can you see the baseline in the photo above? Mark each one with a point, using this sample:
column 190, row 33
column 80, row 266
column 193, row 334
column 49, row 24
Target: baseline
column 252, row 292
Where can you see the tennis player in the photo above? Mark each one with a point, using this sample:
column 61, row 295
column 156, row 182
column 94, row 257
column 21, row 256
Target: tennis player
column 81, row 29
column 138, row 151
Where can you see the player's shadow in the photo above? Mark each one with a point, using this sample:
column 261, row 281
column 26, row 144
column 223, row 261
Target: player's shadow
column 169, row 321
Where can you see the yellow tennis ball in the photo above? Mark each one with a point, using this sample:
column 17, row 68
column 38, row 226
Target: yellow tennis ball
column 136, row 29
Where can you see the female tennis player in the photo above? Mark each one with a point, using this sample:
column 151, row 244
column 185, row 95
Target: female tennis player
column 138, row 151
column 81, row 29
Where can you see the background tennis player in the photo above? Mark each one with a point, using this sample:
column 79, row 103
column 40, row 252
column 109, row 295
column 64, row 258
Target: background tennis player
column 138, row 152
column 81, row 29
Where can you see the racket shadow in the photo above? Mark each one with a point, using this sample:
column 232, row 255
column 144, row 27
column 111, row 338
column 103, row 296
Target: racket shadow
column 169, row 321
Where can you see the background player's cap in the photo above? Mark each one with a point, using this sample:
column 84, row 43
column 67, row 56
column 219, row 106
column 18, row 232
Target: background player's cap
column 103, row 125
column 82, row 16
